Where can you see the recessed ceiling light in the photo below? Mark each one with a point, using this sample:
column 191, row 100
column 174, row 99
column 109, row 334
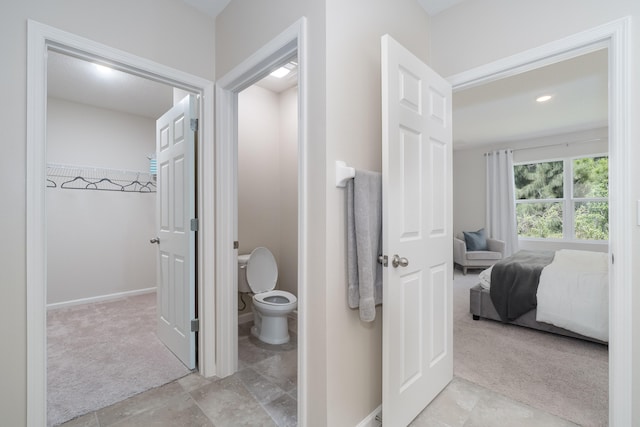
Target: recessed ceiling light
column 281, row 72
column 543, row 98
column 103, row 69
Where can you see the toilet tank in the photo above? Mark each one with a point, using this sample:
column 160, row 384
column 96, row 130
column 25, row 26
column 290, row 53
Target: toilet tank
column 243, row 285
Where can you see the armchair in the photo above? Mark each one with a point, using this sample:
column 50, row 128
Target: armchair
column 476, row 259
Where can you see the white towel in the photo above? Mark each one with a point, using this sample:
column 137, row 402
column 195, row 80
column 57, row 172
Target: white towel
column 364, row 242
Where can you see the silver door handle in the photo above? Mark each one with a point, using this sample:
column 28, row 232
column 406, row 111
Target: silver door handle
column 155, row 240
column 397, row 261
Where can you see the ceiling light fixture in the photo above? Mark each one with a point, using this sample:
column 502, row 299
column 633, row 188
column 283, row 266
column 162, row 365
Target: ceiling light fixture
column 103, row 69
column 544, row 98
column 281, row 72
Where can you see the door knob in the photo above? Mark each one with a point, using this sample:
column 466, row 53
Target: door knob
column 397, row 261
column 156, row 240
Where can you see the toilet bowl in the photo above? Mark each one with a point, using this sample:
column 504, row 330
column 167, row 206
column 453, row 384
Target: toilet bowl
column 258, row 273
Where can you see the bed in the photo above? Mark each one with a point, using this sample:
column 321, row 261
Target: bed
column 565, row 293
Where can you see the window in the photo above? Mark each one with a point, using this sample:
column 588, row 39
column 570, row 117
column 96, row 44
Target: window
column 563, row 199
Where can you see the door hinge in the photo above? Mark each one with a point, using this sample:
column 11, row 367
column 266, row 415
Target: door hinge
column 613, row 259
column 195, row 325
column 236, row 245
column 384, row 260
column 195, row 224
column 194, row 125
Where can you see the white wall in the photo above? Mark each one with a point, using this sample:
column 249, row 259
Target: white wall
column 469, row 183
column 482, row 31
column 158, row 31
column 268, row 178
column 98, row 241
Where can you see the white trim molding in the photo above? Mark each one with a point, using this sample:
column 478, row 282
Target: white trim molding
column 289, row 43
column 372, row 420
column 42, row 38
column 101, row 298
column 614, row 36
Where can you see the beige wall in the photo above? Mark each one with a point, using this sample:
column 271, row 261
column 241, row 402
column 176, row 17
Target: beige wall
column 288, row 262
column 354, row 135
column 481, row 31
column 268, row 178
column 242, row 28
column 469, row 179
column 344, row 124
column 157, row 30
column 98, row 241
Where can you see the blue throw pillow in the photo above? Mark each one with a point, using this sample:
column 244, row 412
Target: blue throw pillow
column 475, row 240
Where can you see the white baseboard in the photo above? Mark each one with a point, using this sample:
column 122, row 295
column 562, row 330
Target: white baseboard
column 100, row 298
column 245, row 318
column 370, row 420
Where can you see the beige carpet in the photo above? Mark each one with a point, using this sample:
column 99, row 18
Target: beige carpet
column 563, row 376
column 102, row 353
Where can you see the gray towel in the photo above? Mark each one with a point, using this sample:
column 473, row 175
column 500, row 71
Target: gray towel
column 364, row 242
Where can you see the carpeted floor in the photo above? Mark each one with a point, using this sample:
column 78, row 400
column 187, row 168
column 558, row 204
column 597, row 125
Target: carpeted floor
column 102, row 353
column 563, row 376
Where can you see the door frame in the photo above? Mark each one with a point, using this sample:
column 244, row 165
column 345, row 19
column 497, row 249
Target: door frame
column 290, row 42
column 616, row 37
column 40, row 39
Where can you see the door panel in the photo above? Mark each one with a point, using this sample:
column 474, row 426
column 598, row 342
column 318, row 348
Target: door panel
column 417, row 185
column 175, row 208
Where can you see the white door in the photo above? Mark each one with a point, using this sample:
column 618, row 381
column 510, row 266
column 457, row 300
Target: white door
column 175, row 150
column 416, row 192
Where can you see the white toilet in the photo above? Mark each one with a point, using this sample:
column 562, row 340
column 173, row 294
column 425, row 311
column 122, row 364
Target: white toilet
column 258, row 273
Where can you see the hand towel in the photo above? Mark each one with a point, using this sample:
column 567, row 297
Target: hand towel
column 364, row 242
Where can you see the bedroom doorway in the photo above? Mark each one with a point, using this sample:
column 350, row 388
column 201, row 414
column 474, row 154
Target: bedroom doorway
column 611, row 38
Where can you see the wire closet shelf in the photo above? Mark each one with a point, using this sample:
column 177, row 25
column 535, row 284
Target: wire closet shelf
column 102, row 179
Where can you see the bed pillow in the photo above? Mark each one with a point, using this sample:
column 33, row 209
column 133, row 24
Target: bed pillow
column 475, row 240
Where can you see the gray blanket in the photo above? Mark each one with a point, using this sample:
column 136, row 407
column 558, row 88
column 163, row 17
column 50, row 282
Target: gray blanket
column 514, row 282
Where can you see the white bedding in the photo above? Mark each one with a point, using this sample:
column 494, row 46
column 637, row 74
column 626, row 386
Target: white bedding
column 485, row 278
column 573, row 293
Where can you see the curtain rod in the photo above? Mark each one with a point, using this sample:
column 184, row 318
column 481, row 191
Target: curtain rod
column 535, row 147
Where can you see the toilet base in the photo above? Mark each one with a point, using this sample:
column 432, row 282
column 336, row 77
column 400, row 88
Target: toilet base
column 270, row 329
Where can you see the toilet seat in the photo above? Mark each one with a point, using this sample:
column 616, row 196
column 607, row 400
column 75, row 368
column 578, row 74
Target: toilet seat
column 262, row 270
column 264, row 297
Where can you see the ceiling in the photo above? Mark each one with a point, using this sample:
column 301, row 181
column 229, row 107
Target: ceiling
column 214, row 7
column 76, row 80
column 504, row 110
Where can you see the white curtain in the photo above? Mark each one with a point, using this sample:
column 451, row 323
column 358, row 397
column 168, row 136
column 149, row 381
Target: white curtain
column 501, row 206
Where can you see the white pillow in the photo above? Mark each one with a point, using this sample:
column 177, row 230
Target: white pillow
column 485, row 278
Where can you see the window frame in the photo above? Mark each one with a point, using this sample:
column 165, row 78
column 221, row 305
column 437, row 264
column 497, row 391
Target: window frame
column 568, row 201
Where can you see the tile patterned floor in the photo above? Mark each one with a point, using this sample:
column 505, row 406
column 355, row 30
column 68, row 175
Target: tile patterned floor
column 264, row 393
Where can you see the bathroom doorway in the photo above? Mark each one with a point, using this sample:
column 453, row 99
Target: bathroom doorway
column 267, row 195
column 286, row 47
